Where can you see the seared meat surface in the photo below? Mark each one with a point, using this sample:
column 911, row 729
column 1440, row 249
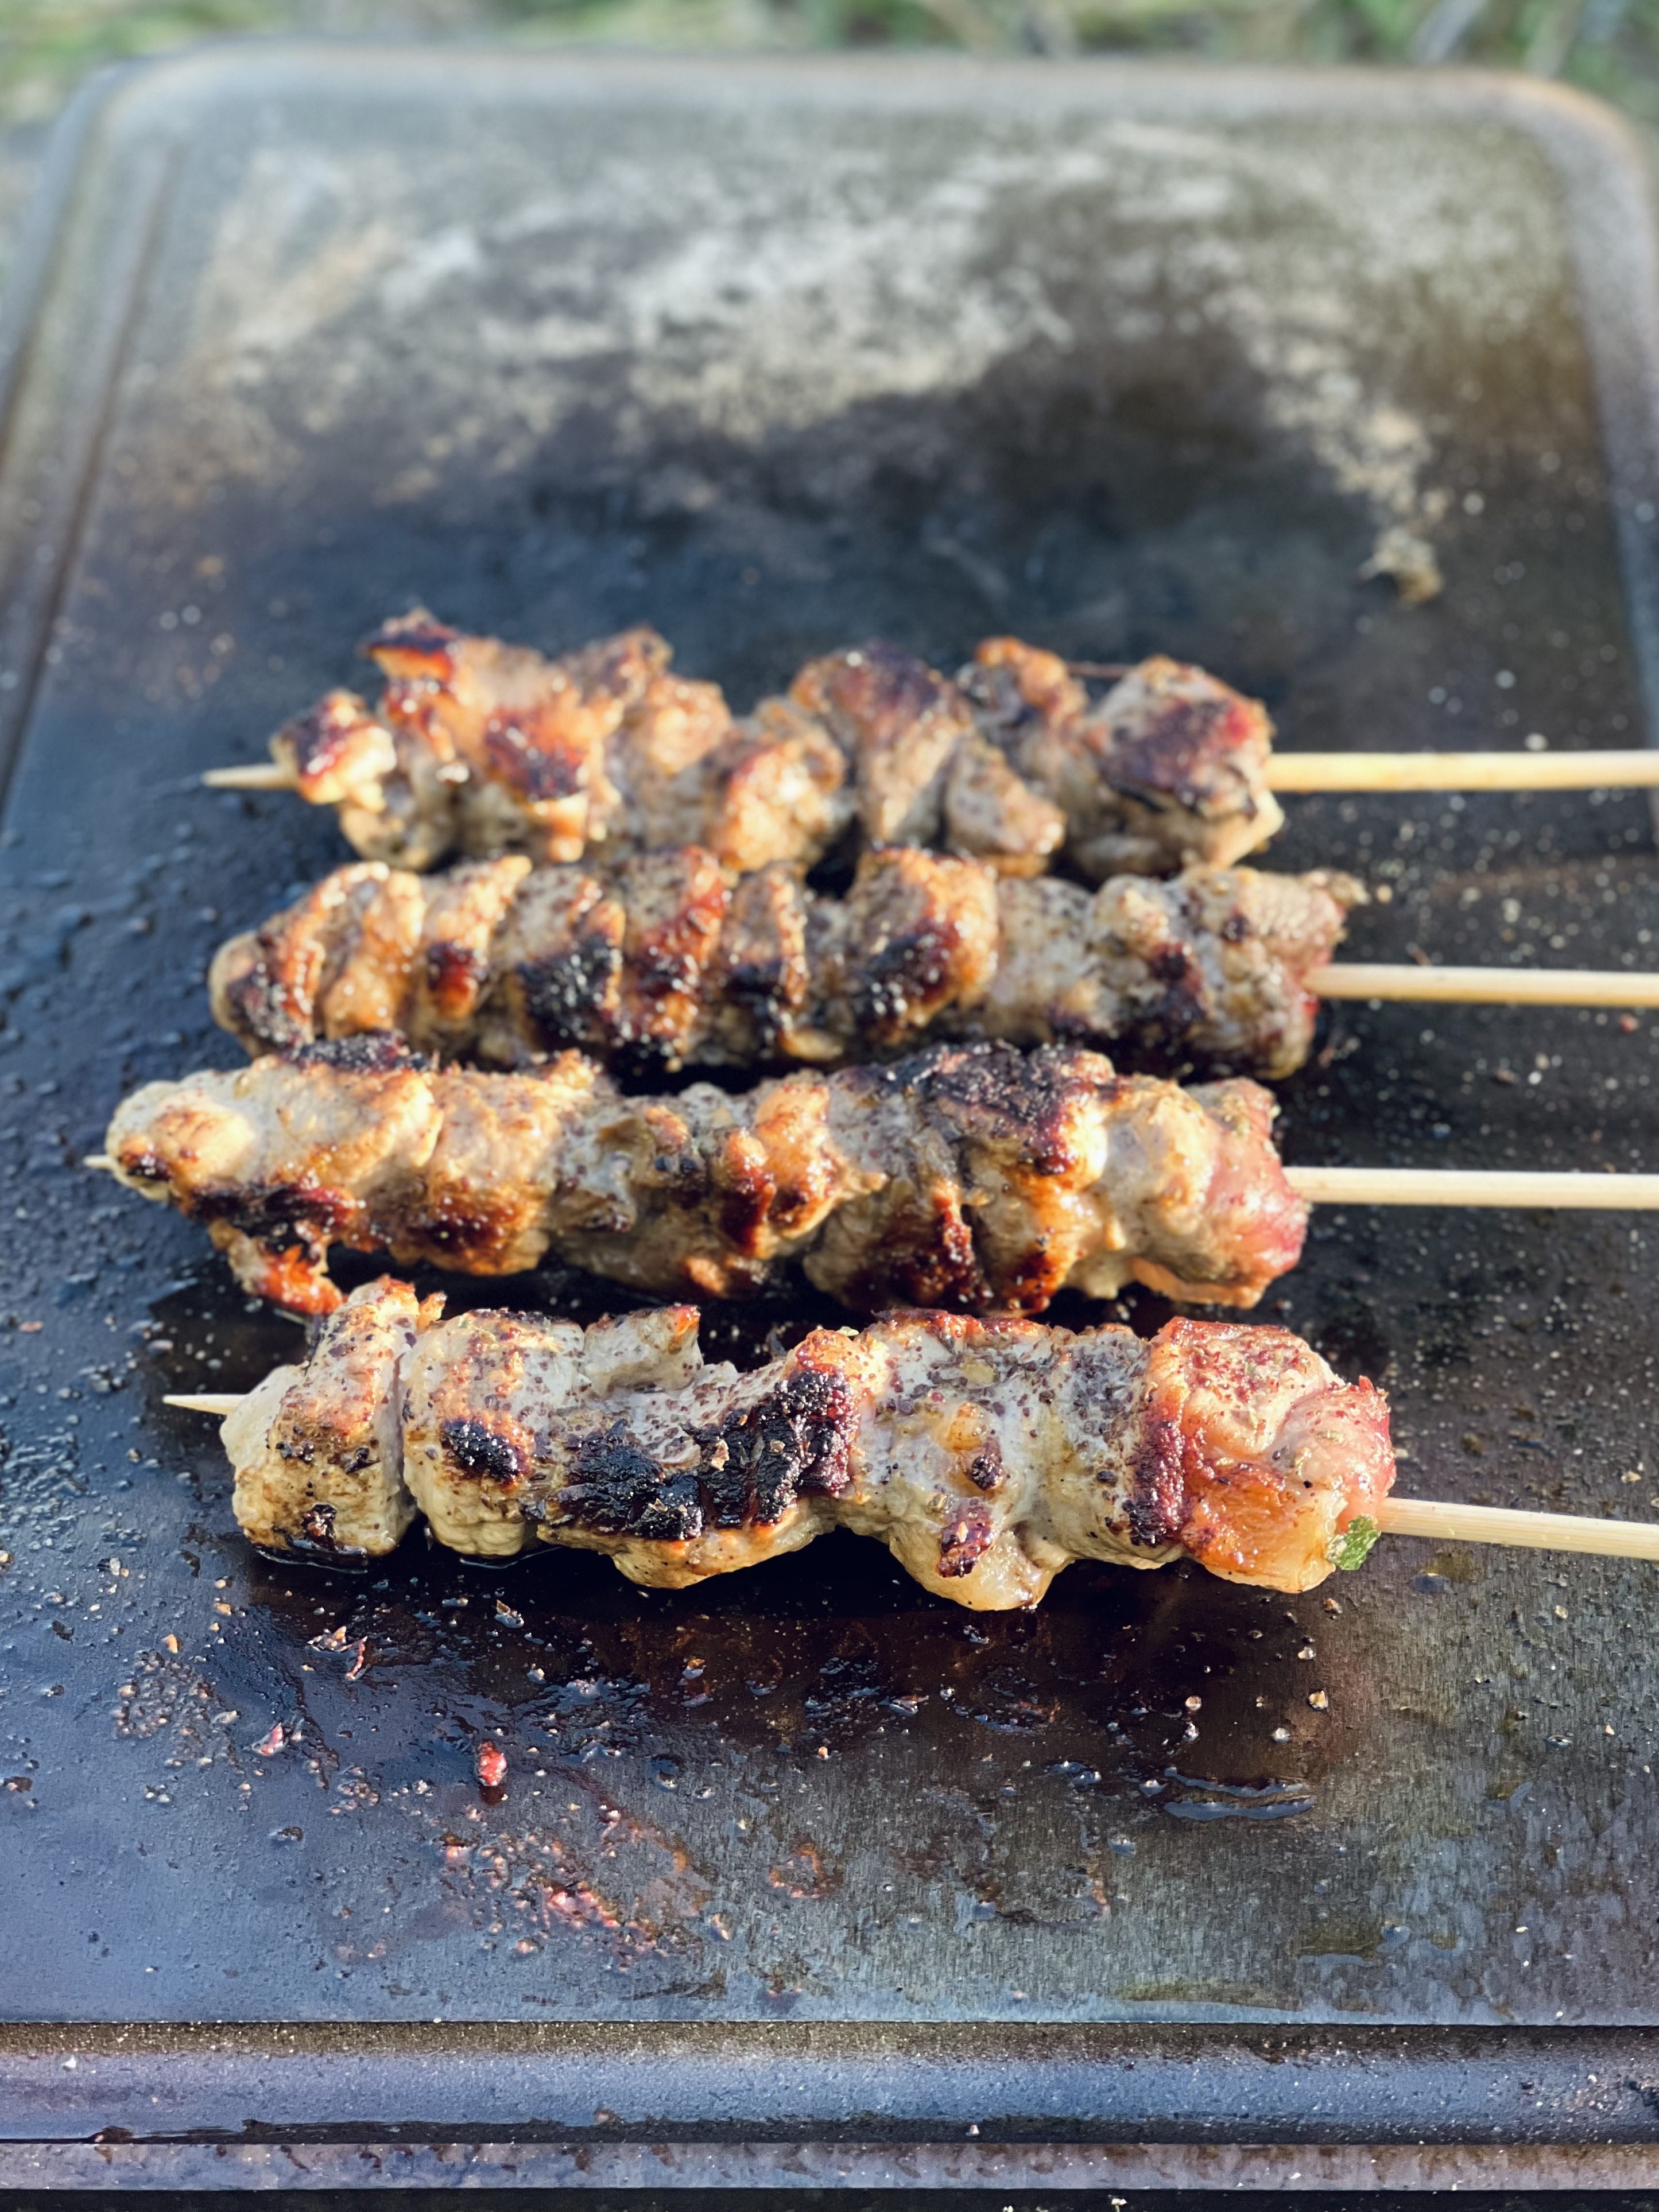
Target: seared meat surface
column 1168, row 770
column 677, row 961
column 973, row 1176
column 987, row 1455
column 483, row 748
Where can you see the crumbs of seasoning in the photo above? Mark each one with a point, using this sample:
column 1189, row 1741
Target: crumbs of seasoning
column 269, row 1746
column 491, row 1767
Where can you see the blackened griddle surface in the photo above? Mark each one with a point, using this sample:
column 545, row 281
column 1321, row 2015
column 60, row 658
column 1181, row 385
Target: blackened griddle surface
column 775, row 359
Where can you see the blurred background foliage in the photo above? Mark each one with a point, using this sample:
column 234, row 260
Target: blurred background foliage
column 1609, row 47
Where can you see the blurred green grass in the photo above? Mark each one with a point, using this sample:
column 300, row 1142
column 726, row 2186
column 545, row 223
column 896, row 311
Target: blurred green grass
column 1609, row 47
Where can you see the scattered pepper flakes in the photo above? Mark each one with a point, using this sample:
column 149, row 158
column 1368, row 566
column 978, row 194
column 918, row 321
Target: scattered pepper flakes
column 331, row 1639
column 491, row 1765
column 170, row 1644
column 359, row 1659
column 30, row 1327
column 268, row 1747
column 1318, row 1700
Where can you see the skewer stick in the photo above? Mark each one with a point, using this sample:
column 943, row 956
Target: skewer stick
column 1485, row 987
column 1395, row 1516
column 257, row 775
column 1501, row 1187
column 103, row 1162
column 1536, row 1532
column 1630, row 767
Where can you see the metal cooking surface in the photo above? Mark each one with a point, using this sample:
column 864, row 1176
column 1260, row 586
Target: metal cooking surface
column 775, row 360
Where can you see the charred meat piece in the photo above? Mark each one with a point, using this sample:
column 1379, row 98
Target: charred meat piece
column 987, row 1455
column 973, row 1176
column 678, row 961
column 482, row 748
column 1168, row 771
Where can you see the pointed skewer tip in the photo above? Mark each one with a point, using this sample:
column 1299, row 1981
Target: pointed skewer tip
column 255, row 776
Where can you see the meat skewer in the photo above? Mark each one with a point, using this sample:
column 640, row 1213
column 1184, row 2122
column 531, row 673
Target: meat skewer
column 484, row 748
column 985, row 1455
column 675, row 961
column 974, row 1176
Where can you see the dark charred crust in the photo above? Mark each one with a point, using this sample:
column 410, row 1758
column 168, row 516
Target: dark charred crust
column 1002, row 708
column 476, row 1448
column 567, row 994
column 924, row 1256
column 315, row 1539
column 964, row 1539
column 985, row 1470
column 902, row 976
column 616, row 1489
column 995, row 1093
column 751, row 1468
column 1184, row 999
column 762, row 989
column 269, row 1010
column 144, row 1166
column 370, row 1052
column 541, row 763
column 1157, row 1502
column 665, row 964
column 479, row 1243
column 303, row 1445
column 883, row 689
column 1190, row 755
column 310, row 1211
column 454, row 974
column 317, row 741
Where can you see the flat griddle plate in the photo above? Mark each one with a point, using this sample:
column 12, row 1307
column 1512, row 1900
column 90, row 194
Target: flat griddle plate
column 776, row 356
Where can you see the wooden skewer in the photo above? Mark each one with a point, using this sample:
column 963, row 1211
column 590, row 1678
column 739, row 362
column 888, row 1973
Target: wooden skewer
column 1571, row 1190
column 1485, row 987
column 257, row 775
column 1629, row 768
column 1517, row 1188
column 1396, row 1517
column 1499, row 1524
